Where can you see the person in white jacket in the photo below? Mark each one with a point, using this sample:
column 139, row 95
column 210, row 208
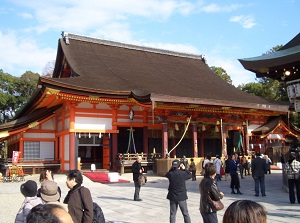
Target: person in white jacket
column 218, row 164
column 29, row 190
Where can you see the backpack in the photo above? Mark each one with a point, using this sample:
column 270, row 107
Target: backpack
column 98, row 214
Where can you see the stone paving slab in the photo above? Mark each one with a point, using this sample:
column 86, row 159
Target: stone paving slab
column 118, row 206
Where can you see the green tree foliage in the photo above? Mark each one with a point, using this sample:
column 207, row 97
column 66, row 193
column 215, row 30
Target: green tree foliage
column 221, row 73
column 15, row 92
column 27, row 84
column 266, row 88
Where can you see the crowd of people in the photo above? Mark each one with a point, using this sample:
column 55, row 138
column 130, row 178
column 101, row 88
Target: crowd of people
column 181, row 171
column 214, row 170
column 44, row 204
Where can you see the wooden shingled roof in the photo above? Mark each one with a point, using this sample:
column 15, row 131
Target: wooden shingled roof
column 112, row 69
column 273, row 123
column 29, row 121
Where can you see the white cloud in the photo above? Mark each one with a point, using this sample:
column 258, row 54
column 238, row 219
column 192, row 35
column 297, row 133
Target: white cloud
column 26, row 16
column 107, row 20
column 247, row 22
column 114, row 31
column 80, row 16
column 183, row 48
column 22, row 55
column 215, row 8
column 233, row 68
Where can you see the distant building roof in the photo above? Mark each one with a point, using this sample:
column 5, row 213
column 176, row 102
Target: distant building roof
column 273, row 123
column 276, row 65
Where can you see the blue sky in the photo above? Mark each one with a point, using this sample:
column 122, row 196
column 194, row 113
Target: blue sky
column 222, row 30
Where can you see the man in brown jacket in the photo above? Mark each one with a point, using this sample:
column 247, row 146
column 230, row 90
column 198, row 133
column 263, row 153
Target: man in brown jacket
column 79, row 199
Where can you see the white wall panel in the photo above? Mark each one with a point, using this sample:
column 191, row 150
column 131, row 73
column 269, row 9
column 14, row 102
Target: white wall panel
column 128, row 120
column 47, row 150
column 59, row 126
column 67, row 147
column 67, row 166
column 49, row 125
column 275, row 136
column 124, row 108
column 67, row 123
column 39, row 135
column 84, row 105
column 93, row 123
column 103, row 106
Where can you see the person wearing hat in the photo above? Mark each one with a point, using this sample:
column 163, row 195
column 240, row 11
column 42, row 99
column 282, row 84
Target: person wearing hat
column 47, row 175
column 29, row 191
column 258, row 174
column 177, row 194
column 50, row 194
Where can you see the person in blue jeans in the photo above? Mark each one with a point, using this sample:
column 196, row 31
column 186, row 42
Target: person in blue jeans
column 177, row 194
column 258, row 174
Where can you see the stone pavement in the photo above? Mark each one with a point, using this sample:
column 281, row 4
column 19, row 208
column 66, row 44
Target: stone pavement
column 118, row 206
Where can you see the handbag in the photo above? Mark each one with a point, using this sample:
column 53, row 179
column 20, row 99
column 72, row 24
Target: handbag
column 142, row 180
column 222, row 171
column 215, row 205
column 296, row 175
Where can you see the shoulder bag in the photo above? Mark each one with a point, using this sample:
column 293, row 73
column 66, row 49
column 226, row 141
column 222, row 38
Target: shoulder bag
column 142, row 179
column 98, row 216
column 296, row 175
column 215, row 205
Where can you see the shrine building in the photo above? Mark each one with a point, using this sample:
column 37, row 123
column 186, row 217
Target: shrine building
column 105, row 98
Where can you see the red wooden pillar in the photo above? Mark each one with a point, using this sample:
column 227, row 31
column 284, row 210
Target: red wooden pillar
column 201, row 145
column 114, row 137
column 145, row 140
column 164, row 140
column 114, row 150
column 246, row 138
column 195, row 141
column 72, row 156
column 72, row 153
column 106, row 154
column 21, row 146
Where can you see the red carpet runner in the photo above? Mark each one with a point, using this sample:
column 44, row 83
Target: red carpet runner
column 101, row 177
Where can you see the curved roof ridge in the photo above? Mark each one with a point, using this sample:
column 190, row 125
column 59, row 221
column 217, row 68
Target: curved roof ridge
column 66, row 36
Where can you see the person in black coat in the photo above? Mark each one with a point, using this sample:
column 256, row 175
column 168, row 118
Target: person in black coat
column 235, row 181
column 209, row 191
column 177, row 195
column 78, row 198
column 137, row 170
column 258, row 174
